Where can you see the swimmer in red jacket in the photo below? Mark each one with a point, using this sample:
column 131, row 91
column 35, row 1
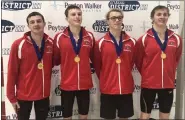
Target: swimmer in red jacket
column 157, row 56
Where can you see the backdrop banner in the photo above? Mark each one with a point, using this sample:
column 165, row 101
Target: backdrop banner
column 136, row 20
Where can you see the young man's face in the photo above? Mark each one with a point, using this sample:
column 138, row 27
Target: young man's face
column 160, row 17
column 36, row 24
column 74, row 17
column 115, row 20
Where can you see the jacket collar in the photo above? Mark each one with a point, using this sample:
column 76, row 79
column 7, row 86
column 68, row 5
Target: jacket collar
column 149, row 32
column 84, row 32
column 27, row 37
column 125, row 37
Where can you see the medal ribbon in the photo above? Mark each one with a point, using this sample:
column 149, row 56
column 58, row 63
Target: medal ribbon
column 40, row 52
column 119, row 47
column 76, row 45
column 162, row 46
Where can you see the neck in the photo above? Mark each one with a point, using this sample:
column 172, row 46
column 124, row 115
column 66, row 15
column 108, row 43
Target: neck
column 116, row 34
column 75, row 30
column 159, row 29
column 37, row 37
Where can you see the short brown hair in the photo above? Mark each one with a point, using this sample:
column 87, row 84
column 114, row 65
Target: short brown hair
column 112, row 10
column 159, row 7
column 69, row 8
column 34, row 14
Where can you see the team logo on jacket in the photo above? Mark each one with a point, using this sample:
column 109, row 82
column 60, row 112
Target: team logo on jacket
column 55, row 111
column 58, row 91
column 87, row 43
column 127, row 48
column 127, row 5
column 8, row 26
column 20, row 5
column 172, row 43
column 48, row 49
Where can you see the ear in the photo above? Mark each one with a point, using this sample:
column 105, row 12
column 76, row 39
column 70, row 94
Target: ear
column 44, row 24
column 66, row 19
column 28, row 26
column 107, row 21
column 152, row 19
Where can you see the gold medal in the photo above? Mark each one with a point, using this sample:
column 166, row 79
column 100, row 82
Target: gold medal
column 118, row 60
column 77, row 59
column 163, row 55
column 40, row 66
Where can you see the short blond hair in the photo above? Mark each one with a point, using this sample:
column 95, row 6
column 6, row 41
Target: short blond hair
column 113, row 10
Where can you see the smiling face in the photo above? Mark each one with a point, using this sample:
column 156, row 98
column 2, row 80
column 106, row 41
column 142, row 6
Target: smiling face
column 160, row 17
column 115, row 20
column 74, row 17
column 36, row 24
